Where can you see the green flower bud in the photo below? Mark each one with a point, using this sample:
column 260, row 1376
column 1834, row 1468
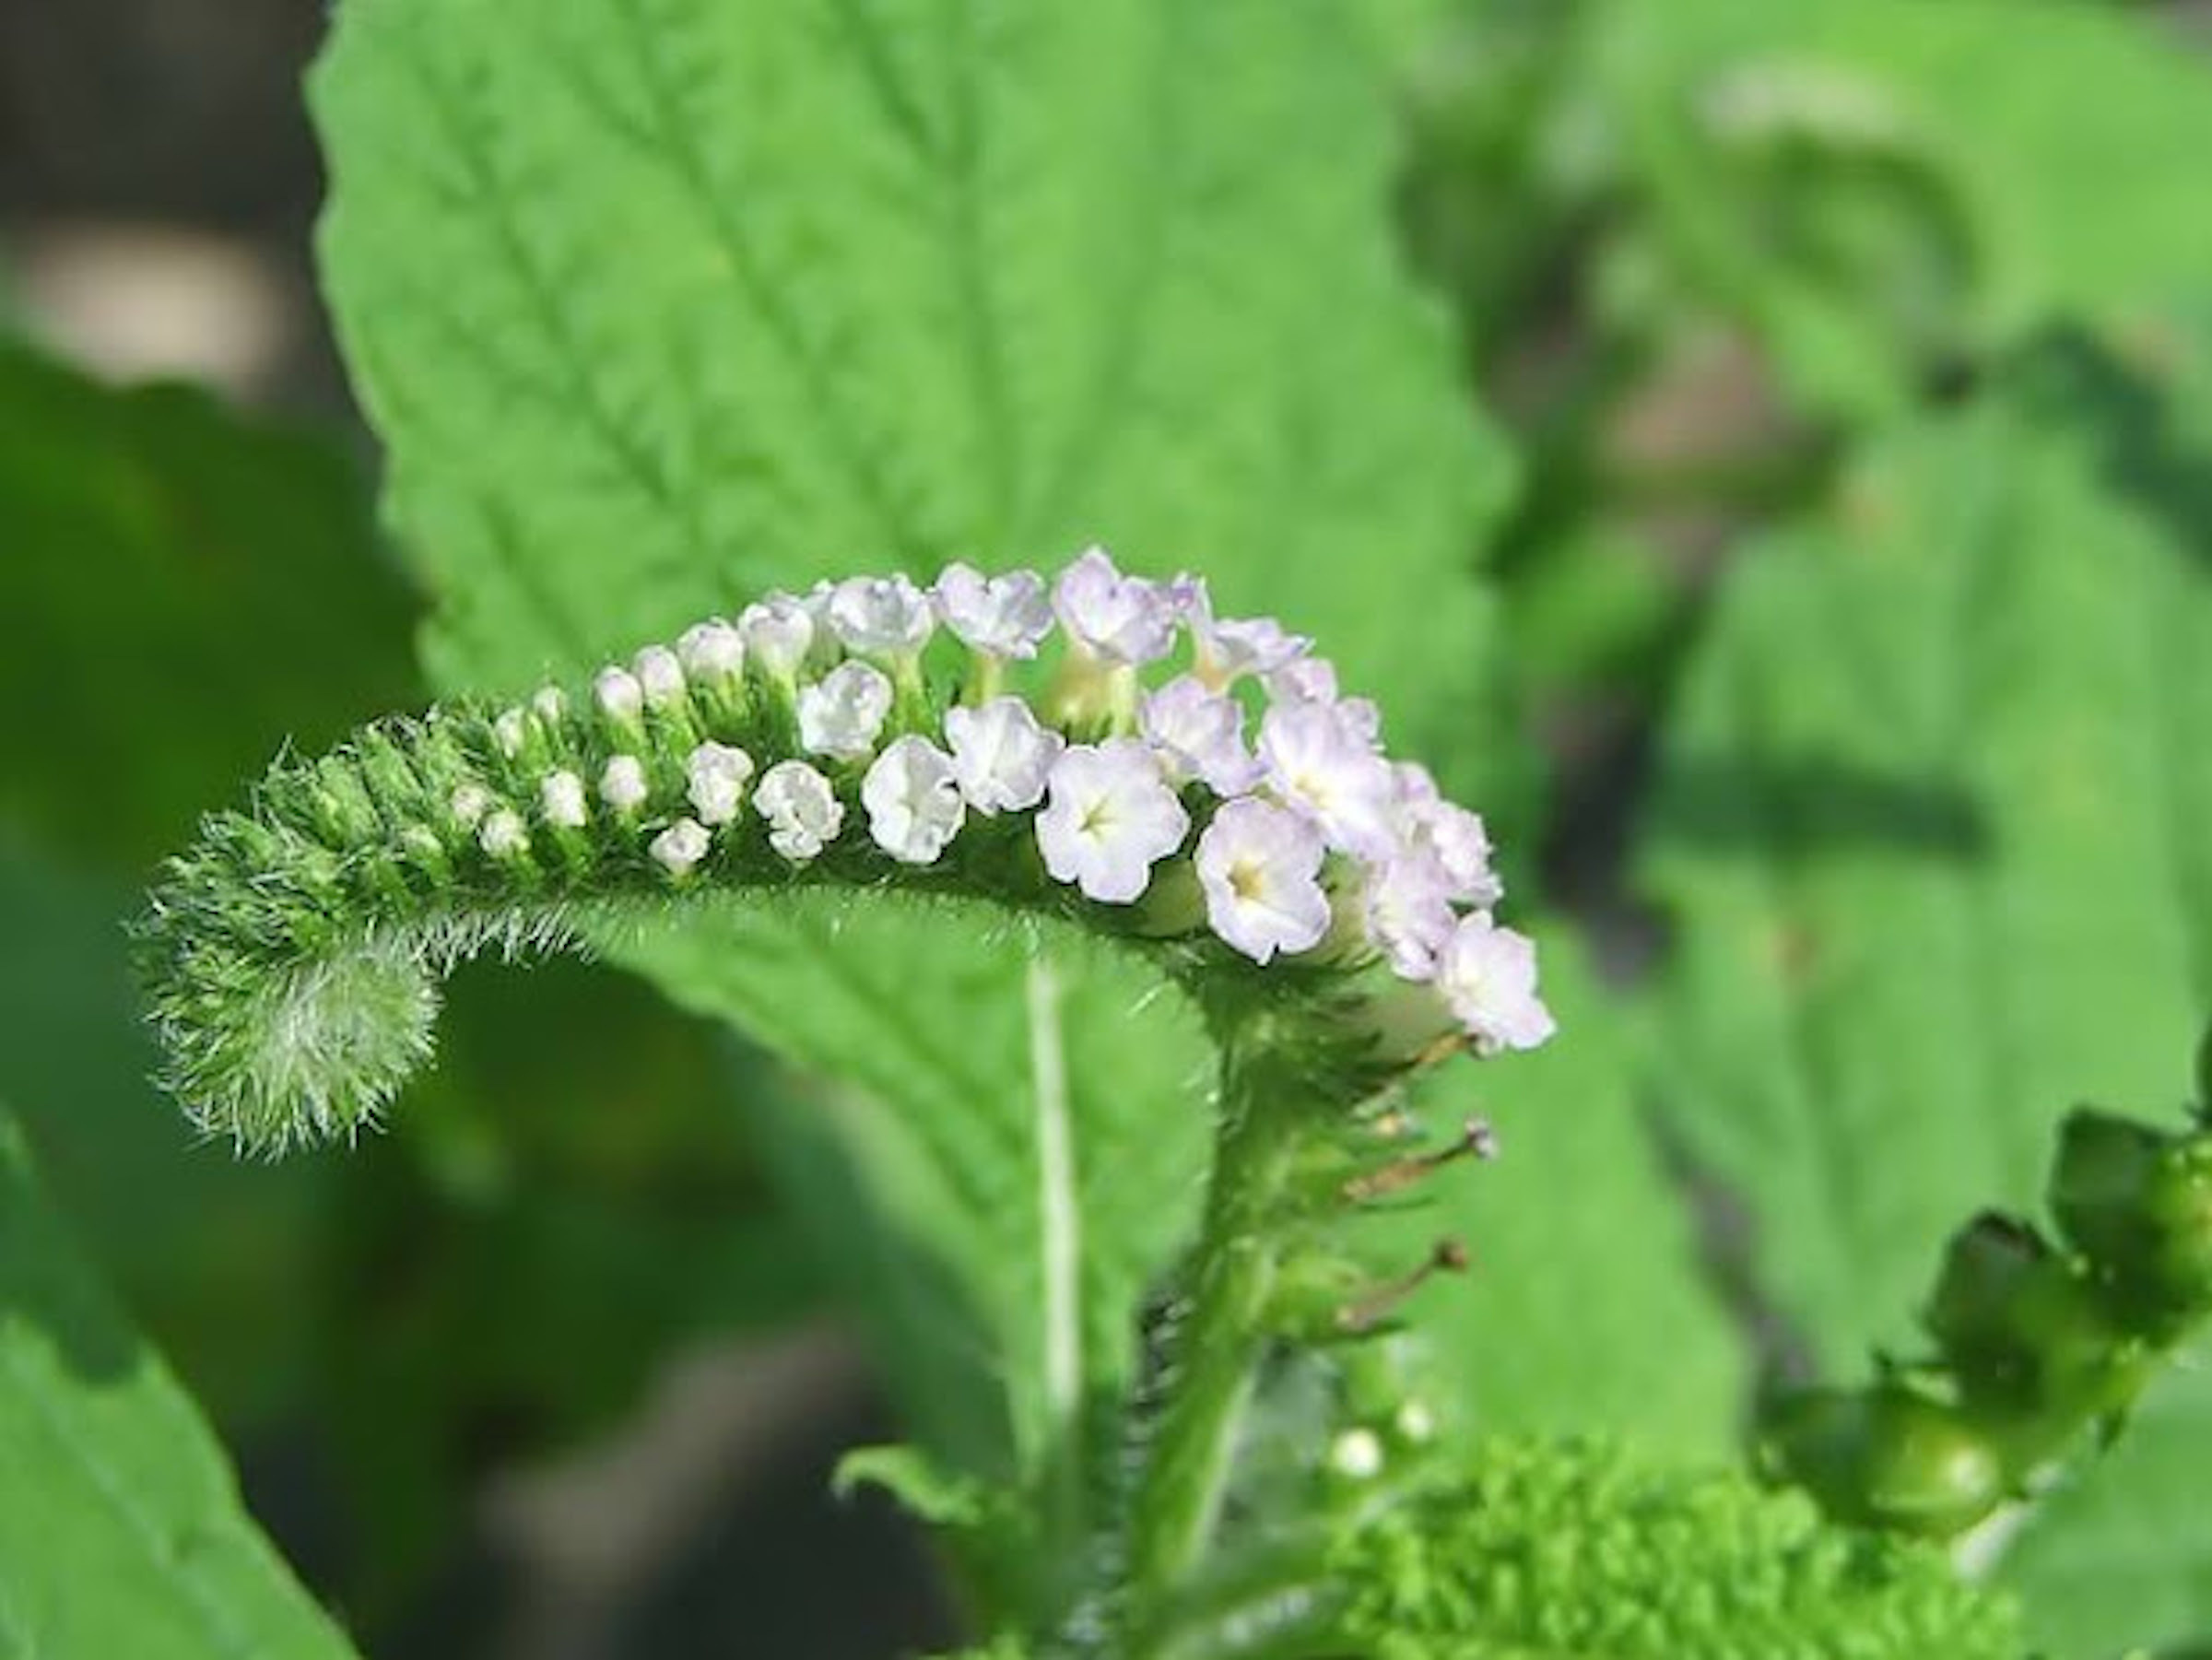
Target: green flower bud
column 1887, row 1457
column 2138, row 1202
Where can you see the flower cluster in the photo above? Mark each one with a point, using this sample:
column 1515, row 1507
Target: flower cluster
column 1241, row 781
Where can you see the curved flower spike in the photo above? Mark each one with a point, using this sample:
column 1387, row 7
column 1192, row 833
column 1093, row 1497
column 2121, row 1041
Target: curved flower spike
column 294, row 953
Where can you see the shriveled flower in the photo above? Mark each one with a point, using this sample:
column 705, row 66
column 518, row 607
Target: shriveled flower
column 660, row 675
column 1001, row 754
column 561, row 798
column 621, row 697
column 1006, row 615
column 881, row 615
column 622, row 784
column 1260, row 866
column 913, row 801
column 1198, row 734
column 1488, row 975
column 1225, row 649
column 717, row 774
column 778, row 632
column 681, row 847
column 803, row 812
column 1109, row 817
column 1405, row 909
column 711, row 650
column 1317, row 762
column 842, row 714
column 1123, row 619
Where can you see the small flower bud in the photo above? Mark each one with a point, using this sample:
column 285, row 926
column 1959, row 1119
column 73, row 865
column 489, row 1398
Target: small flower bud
column 561, row 796
column 622, row 786
column 681, row 847
column 503, row 834
column 1356, row 1454
column 660, row 675
column 622, row 698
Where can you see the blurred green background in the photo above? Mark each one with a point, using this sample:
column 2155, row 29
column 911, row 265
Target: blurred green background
column 1768, row 307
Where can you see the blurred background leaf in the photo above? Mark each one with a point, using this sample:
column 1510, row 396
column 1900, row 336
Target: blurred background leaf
column 136, row 1543
column 1931, row 820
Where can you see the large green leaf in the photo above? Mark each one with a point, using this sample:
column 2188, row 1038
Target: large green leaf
column 123, row 1533
column 656, row 301
column 1931, row 825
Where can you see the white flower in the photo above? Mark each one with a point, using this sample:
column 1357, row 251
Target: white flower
column 503, row 835
column 660, row 675
column 1001, row 755
column 1317, row 762
column 1108, row 818
column 778, row 632
column 551, row 702
column 508, row 732
column 1124, row 620
column 711, row 650
column 913, row 800
column 1488, row 975
column 1198, row 734
column 843, row 714
column 681, row 846
column 1006, row 615
column 1225, row 649
column 883, row 616
column 619, row 694
column 1406, row 905
column 561, row 798
column 622, row 786
column 1260, row 866
column 717, row 775
column 1455, row 840
column 803, row 812
column 470, row 801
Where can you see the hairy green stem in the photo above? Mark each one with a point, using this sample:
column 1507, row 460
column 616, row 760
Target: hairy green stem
column 1220, row 1335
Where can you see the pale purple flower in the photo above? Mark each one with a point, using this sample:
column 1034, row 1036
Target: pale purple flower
column 1405, row 905
column 1461, row 846
column 842, row 714
column 778, row 632
column 1318, row 761
column 913, row 800
column 1005, row 616
column 660, row 675
column 1001, row 754
column 1109, row 817
column 1198, row 734
column 1303, row 680
column 711, row 650
column 1488, row 975
column 622, row 786
column 1225, row 649
column 1123, row 619
column 561, row 798
column 717, row 775
column 803, row 812
column 1260, row 866
column 681, row 847
column 881, row 615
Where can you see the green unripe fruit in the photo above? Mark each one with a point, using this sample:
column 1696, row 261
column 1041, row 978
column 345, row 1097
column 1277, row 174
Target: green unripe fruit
column 2027, row 1339
column 1886, row 1457
column 2137, row 1203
